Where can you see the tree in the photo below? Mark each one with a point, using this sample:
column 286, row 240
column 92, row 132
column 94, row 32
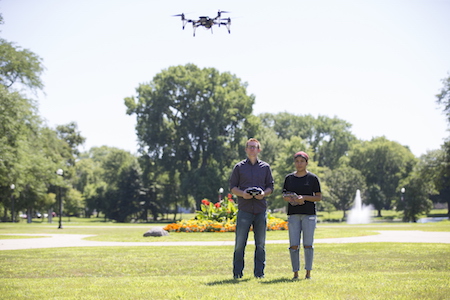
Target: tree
column 443, row 98
column 70, row 134
column 415, row 200
column 124, row 199
column 73, row 202
column 328, row 138
column 342, row 183
column 110, row 180
column 376, row 197
column 383, row 163
column 192, row 121
column 434, row 169
column 19, row 65
column 20, row 127
column 30, row 152
column 18, row 118
column 443, row 179
column 443, row 184
column 284, row 165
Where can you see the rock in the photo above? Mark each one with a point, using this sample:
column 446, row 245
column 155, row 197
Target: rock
column 156, row 231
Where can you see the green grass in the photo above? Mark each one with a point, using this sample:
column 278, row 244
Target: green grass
column 344, row 271
column 341, row 271
column 134, row 233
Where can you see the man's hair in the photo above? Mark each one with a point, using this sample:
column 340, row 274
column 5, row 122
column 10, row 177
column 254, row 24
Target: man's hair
column 253, row 140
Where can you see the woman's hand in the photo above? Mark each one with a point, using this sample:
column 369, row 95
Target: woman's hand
column 300, row 200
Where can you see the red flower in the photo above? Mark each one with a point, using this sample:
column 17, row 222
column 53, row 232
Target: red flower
column 205, row 202
column 217, row 205
column 229, row 196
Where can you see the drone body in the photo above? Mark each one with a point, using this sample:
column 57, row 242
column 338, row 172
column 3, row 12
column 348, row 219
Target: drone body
column 207, row 22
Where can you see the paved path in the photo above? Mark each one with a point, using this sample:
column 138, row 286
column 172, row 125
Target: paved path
column 78, row 240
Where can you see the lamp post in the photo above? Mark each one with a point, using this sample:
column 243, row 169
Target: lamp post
column 220, row 194
column 12, row 202
column 60, row 172
column 405, row 205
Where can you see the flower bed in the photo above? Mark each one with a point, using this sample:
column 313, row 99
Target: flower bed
column 213, row 226
column 218, row 217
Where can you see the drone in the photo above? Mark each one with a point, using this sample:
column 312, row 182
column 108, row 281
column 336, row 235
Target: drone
column 207, row 22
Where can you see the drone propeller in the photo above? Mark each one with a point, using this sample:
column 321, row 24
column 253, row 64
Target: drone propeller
column 179, row 15
column 183, row 19
column 227, row 23
column 220, row 12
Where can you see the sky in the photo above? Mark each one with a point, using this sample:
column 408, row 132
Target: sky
column 376, row 64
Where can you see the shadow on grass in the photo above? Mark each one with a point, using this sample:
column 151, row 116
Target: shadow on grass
column 437, row 215
column 227, row 281
column 278, row 280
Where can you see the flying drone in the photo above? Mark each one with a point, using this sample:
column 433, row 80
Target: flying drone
column 207, row 22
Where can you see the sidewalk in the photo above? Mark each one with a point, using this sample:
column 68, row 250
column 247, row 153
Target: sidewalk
column 78, row 240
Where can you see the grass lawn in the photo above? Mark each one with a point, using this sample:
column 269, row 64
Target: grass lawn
column 341, row 271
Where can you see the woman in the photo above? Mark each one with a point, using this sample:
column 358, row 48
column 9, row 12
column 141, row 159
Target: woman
column 302, row 190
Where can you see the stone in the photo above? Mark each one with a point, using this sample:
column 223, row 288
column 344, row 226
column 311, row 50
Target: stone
column 156, row 231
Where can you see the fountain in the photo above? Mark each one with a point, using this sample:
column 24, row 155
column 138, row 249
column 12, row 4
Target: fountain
column 359, row 214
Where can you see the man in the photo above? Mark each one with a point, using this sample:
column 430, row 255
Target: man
column 252, row 181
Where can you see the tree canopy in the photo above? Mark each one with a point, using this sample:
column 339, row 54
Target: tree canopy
column 19, row 65
column 383, row 163
column 192, row 121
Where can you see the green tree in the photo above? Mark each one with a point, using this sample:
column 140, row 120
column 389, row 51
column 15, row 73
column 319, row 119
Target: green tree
column 284, row 165
column 443, row 182
column 30, row 153
column 73, row 202
column 70, row 134
column 443, row 98
column 434, row 167
column 383, row 163
column 376, row 197
column 329, row 138
column 443, row 179
column 110, row 181
column 342, row 183
column 18, row 118
column 19, row 66
column 415, row 200
column 124, row 199
column 192, row 122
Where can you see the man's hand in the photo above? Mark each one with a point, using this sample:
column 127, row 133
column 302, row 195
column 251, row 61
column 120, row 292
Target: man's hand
column 246, row 195
column 254, row 192
column 260, row 196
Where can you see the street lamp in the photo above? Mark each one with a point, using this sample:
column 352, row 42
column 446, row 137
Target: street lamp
column 403, row 194
column 12, row 202
column 220, row 194
column 60, row 172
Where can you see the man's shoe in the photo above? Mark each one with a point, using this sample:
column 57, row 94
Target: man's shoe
column 237, row 276
column 259, row 277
